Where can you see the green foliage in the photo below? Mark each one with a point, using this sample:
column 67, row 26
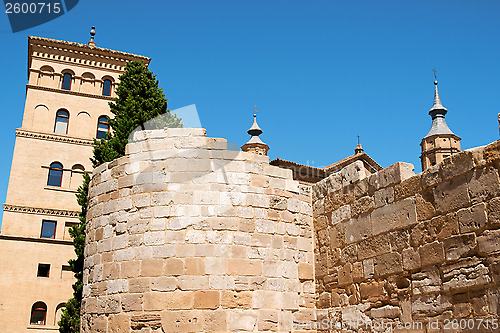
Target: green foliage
column 140, row 103
column 70, row 318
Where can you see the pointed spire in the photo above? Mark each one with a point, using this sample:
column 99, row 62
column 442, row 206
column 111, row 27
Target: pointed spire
column 92, row 34
column 255, row 144
column 437, row 112
column 437, row 101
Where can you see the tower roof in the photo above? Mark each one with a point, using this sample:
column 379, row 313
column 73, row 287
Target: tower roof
column 437, row 112
column 255, row 143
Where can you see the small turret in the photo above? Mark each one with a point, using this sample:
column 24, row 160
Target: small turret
column 255, row 144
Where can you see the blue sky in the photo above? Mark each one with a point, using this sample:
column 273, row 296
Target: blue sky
column 320, row 72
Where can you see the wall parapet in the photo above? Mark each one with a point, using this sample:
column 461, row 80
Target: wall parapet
column 396, row 247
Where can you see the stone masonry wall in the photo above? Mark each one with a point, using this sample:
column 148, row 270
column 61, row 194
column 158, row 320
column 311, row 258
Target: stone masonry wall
column 186, row 236
column 400, row 248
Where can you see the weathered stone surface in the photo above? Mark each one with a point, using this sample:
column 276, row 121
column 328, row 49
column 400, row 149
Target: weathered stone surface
column 451, row 195
column 457, row 164
column 374, row 246
column 388, row 311
column 206, row 299
column 394, row 216
column 458, row 246
column 425, row 205
column 182, row 321
column 388, row 263
column 472, row 219
column 411, row 259
column 431, row 177
column 393, row 174
column 426, row 281
column 465, row 274
column 489, row 241
column 431, row 253
column 358, row 228
column 372, row 291
column 408, row 187
column 484, row 184
column 425, row 306
column 362, row 205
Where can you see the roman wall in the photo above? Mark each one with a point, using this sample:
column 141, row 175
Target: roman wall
column 395, row 248
column 184, row 235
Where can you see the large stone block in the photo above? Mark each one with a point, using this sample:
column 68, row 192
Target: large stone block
column 431, row 253
column 394, row 216
column 393, row 174
column 358, row 228
column 459, row 246
column 389, row 263
column 182, row 321
column 484, row 184
column 374, row 246
column 457, row 164
column 472, row 219
column 451, row 195
column 489, row 241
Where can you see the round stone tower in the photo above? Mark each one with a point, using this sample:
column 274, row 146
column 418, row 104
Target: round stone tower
column 186, row 236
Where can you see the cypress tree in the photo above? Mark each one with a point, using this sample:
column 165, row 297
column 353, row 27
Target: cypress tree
column 140, row 103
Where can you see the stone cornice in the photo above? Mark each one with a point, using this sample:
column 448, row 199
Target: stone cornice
column 53, row 137
column 69, row 92
column 80, row 54
column 40, row 211
column 36, row 240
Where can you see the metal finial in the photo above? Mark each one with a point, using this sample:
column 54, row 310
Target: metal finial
column 358, row 139
column 92, row 34
column 435, row 71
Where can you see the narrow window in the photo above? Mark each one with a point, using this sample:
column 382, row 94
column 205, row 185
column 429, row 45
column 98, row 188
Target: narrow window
column 106, row 88
column 66, row 272
column 55, row 174
column 38, row 313
column 43, row 270
column 48, row 229
column 67, row 226
column 66, row 84
column 62, row 119
column 102, row 127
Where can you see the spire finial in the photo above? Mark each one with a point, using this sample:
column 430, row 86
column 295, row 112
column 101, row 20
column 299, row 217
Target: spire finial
column 92, row 34
column 359, row 149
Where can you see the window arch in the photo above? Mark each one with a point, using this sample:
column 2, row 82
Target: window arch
column 76, row 179
column 66, row 83
column 102, row 127
column 59, row 310
column 62, row 120
column 55, row 174
column 38, row 314
column 106, row 87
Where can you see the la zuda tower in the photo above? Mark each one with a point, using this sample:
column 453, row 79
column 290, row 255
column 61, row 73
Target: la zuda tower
column 70, row 86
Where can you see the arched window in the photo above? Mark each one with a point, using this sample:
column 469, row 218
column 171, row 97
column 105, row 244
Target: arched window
column 102, row 127
column 59, row 310
column 38, row 313
column 55, row 174
column 76, row 176
column 66, row 84
column 106, row 88
column 62, row 119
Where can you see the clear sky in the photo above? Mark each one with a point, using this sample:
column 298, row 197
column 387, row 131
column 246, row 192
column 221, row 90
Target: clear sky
column 320, row 72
